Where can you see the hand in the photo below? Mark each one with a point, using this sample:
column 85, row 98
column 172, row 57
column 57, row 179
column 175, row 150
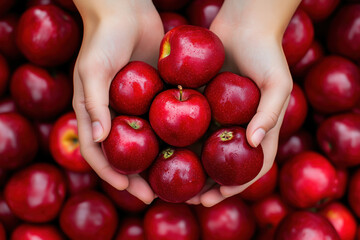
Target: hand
column 115, row 32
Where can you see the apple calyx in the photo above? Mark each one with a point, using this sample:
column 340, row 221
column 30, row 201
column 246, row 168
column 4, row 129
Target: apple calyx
column 168, row 153
column 181, row 92
column 70, row 140
column 226, row 136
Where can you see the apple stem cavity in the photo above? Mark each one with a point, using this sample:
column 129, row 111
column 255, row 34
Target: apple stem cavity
column 181, row 92
column 168, row 153
column 226, row 136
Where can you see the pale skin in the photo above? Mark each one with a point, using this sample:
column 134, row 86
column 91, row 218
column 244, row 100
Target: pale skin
column 116, row 32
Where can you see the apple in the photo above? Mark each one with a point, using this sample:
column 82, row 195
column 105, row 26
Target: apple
column 80, row 181
column 262, row 187
column 170, row 5
column 298, row 37
column 8, row 47
column 7, row 217
column 89, row 215
column 39, row 232
column 67, row 4
column 304, row 225
column 353, row 193
column 131, row 145
column 233, row 99
column 295, row 113
column 171, row 20
column 180, row 117
column 202, row 12
column 18, row 142
column 176, row 175
column 36, row 193
column 344, row 35
column 38, row 35
column 319, row 10
column 229, row 159
column 333, row 85
column 307, row 180
column 64, row 144
column 342, row 220
column 341, row 182
column 190, row 56
column 43, row 130
column 169, row 221
column 7, row 105
column 133, row 88
column 228, row 220
column 4, row 75
column 339, row 138
column 131, row 228
column 123, row 199
column 40, row 94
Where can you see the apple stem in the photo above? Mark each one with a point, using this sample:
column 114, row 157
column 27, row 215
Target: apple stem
column 168, row 152
column 181, row 91
column 226, row 136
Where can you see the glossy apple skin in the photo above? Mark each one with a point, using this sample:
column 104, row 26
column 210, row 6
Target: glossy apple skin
column 311, row 57
column 307, row 180
column 77, row 182
column 342, row 220
column 297, row 143
column 170, row 5
column 180, row 119
column 7, row 105
column 229, row 159
column 201, row 13
column 333, row 85
column 171, row 20
column 177, row 175
column 8, row 45
column 4, row 75
column 344, row 35
column 228, row 220
column 233, row 99
column 190, row 56
column 354, row 193
column 38, row 35
column 38, row 94
column 339, row 138
column 123, row 199
column 319, row 10
column 131, row 228
column 36, row 193
column 298, row 37
column 169, row 221
column 131, row 145
column 295, row 113
column 18, row 142
column 304, row 225
column 64, row 144
column 39, row 232
column 89, row 215
column 341, row 182
column 134, row 87
column 7, row 217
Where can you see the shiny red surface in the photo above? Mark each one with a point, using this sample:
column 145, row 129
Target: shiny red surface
column 36, row 232
column 319, row 9
column 7, row 217
column 7, row 105
column 131, row 228
column 171, row 20
column 202, row 12
column 77, row 182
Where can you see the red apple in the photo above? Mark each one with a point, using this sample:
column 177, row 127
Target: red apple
column 341, row 182
column 342, row 220
column 233, row 99
column 134, row 87
column 303, row 225
column 171, row 20
column 64, row 144
column 36, row 232
column 339, row 138
column 8, row 47
column 170, row 5
column 6, row 5
column 190, row 56
column 131, row 228
column 123, row 199
column 298, row 37
column 131, row 145
column 38, row 35
column 228, row 220
column 344, row 32
column 333, row 85
column 40, row 94
column 4, row 75
column 43, row 130
column 89, row 215
column 354, row 192
column 67, row 4
column 229, row 159
column 169, row 221
column 295, row 113
column 177, row 175
column 307, row 180
column 77, row 182
column 36, row 193
column 263, row 187
column 180, row 117
column 18, row 142
column 7, row 105
column 202, row 12
column 319, row 9
column 7, row 217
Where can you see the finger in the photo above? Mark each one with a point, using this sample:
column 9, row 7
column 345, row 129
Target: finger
column 197, row 198
column 140, row 188
column 211, row 197
column 90, row 150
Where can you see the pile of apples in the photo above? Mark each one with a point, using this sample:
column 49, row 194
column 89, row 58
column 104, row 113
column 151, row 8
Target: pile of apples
column 178, row 126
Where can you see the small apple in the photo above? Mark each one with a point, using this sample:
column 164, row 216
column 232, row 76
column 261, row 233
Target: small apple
column 319, row 10
column 202, row 12
column 131, row 228
column 171, row 20
column 80, row 181
column 4, row 75
column 39, row 232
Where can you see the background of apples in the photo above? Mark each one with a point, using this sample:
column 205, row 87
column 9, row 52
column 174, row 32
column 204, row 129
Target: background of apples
column 48, row 191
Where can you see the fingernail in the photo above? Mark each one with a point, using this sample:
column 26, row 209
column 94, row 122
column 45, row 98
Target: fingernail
column 258, row 136
column 97, row 131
